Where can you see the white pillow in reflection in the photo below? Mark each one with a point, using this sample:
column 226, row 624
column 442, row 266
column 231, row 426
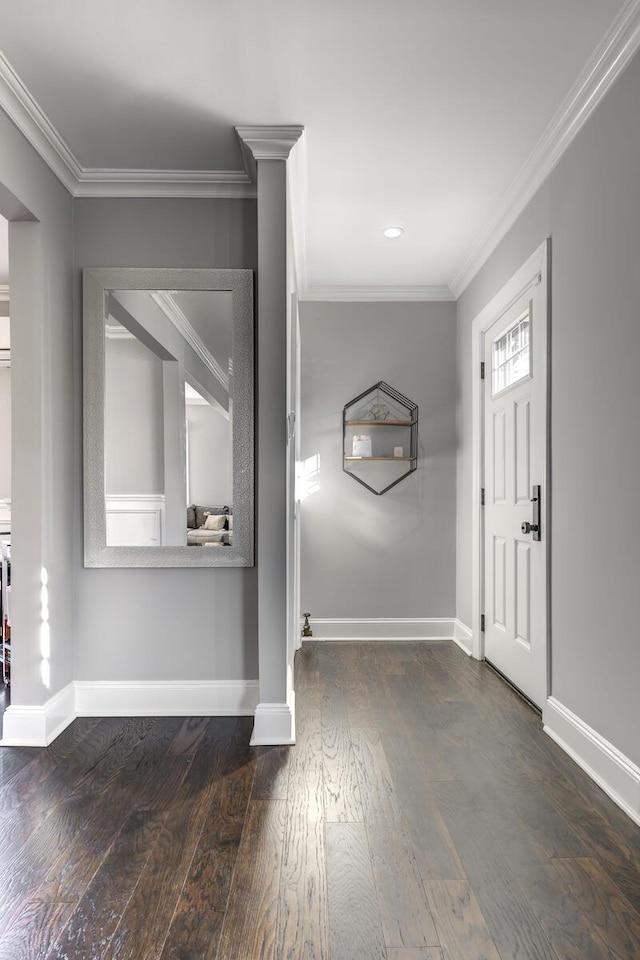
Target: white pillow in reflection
column 215, row 521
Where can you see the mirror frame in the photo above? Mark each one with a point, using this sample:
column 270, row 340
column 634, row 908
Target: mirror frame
column 97, row 282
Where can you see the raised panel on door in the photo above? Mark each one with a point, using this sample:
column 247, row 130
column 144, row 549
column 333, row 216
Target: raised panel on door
column 523, row 593
column 521, row 449
column 499, row 582
column 499, row 456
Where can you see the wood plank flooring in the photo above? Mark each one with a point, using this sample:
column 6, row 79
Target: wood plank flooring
column 421, row 815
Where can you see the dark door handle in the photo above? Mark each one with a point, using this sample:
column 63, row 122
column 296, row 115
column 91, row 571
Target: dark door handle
column 535, row 526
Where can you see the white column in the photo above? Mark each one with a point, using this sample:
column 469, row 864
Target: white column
column 269, row 148
column 175, row 455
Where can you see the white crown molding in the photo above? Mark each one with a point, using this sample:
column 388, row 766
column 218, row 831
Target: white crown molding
column 269, row 142
column 366, row 294
column 230, row 184
column 275, row 142
column 164, row 299
column 605, row 66
column 23, row 110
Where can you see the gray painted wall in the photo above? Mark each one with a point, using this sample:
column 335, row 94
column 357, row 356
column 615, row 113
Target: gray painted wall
column 162, row 624
column 393, row 555
column 134, row 422
column 44, row 495
column 590, row 205
column 4, row 251
column 209, row 455
column 5, row 433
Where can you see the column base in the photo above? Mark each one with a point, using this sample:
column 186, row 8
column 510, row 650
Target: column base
column 274, row 724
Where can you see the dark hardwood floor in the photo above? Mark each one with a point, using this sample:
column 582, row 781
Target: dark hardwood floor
column 422, row 815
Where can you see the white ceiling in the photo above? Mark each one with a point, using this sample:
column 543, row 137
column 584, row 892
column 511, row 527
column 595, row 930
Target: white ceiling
column 417, row 112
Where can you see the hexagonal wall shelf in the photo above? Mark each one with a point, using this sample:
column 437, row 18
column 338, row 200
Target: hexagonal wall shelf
column 380, row 438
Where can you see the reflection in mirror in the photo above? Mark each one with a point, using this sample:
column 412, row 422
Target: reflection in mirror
column 168, row 418
column 168, row 409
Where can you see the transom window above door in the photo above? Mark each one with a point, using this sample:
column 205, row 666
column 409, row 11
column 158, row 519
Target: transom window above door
column 511, row 357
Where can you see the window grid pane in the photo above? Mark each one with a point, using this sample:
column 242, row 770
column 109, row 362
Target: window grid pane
column 511, row 358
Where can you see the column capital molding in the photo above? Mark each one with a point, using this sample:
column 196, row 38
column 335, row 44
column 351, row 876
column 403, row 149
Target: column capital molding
column 266, row 142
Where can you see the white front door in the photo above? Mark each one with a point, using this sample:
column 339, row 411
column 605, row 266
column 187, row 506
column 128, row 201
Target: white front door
column 515, row 437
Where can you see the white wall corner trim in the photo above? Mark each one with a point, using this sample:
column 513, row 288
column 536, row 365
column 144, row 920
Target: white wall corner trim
column 274, row 724
column 463, row 636
column 605, row 66
column 38, row 726
column 377, row 294
column 383, row 628
column 618, row 776
column 171, row 698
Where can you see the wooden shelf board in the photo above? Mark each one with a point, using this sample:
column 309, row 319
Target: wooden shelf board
column 380, row 423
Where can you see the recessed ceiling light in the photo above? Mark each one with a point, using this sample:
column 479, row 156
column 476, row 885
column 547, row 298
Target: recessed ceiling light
column 392, row 232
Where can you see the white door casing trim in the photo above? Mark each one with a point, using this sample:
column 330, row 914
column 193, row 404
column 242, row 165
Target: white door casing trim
column 618, row 776
column 536, row 268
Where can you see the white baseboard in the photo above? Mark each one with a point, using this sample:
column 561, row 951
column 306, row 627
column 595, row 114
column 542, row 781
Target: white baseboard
column 618, row 776
column 274, row 724
column 383, row 628
column 38, row 726
column 187, row 698
column 463, row 636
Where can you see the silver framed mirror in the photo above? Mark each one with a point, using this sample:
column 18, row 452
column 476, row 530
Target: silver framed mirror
column 168, row 405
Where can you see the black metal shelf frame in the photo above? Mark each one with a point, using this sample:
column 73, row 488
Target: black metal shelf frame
column 408, row 422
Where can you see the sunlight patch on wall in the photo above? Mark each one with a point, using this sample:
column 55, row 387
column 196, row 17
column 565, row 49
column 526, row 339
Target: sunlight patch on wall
column 307, row 476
